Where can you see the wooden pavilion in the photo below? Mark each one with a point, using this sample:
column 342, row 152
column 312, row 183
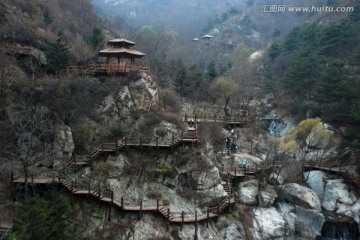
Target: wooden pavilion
column 120, row 58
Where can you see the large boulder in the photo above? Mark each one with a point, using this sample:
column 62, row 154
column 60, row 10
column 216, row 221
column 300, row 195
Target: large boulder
column 288, row 212
column 337, row 194
column 302, row 196
column 232, row 230
column 268, row 224
column 248, row 191
column 316, row 138
column 308, row 223
column 316, row 181
column 267, row 196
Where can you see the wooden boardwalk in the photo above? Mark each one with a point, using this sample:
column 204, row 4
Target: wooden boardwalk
column 110, row 199
column 17, row 49
column 235, row 119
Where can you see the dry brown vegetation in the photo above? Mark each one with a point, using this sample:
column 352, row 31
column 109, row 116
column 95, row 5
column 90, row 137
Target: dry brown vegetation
column 37, row 23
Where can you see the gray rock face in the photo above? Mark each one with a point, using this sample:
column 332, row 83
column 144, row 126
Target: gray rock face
column 316, row 140
column 276, row 179
column 268, row 224
column 139, row 95
column 230, row 230
column 248, row 192
column 316, row 181
column 144, row 92
column 288, row 212
column 308, row 223
column 301, row 196
column 267, row 196
column 336, row 193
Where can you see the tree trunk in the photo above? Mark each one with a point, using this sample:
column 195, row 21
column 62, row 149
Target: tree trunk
column 227, row 108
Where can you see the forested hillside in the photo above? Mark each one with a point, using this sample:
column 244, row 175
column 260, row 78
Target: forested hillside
column 38, row 23
column 315, row 71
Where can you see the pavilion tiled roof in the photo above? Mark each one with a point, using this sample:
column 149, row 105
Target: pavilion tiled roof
column 120, row 51
column 121, row 40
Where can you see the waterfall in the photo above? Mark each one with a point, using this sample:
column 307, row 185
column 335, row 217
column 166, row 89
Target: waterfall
column 339, row 227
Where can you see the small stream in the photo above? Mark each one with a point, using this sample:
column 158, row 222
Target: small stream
column 339, row 227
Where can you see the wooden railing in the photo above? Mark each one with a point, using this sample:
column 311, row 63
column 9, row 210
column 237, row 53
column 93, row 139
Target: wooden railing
column 25, row 50
column 105, row 68
column 238, row 118
column 112, row 199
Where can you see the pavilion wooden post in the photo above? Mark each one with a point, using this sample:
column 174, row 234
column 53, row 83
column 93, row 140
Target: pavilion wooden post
column 157, row 204
column 168, row 214
column 99, row 193
column 32, row 179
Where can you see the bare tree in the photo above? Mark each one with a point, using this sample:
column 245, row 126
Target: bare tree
column 32, row 135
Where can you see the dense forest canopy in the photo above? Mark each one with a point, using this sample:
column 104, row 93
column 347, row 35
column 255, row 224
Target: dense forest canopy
column 314, row 71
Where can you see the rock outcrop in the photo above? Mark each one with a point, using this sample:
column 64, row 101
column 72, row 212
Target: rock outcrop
column 267, row 196
column 301, row 196
column 248, row 192
column 268, row 224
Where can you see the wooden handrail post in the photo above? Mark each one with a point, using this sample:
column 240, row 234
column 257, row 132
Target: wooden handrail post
column 102, row 147
column 168, row 213
column 218, row 209
column 109, row 216
column 141, row 208
column 235, row 171
column 112, row 197
column 89, row 188
column 157, row 204
column 196, row 225
column 53, row 177
column 72, row 186
column 99, row 193
column 116, row 145
column 182, row 220
column 75, row 184
column 32, row 179
column 122, row 203
column 207, row 218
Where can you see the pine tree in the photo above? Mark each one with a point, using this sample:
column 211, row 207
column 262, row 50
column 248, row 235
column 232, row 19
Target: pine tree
column 96, row 38
column 58, row 56
column 211, row 70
